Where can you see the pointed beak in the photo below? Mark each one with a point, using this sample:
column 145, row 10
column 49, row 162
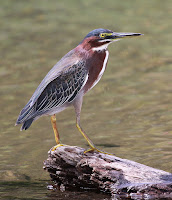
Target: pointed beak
column 124, row 35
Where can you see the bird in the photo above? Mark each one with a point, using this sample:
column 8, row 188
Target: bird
column 70, row 79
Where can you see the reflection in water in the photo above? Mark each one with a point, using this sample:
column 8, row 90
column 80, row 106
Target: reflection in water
column 38, row 190
column 128, row 113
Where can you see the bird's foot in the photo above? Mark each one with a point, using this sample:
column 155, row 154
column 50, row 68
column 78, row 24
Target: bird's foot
column 58, row 145
column 95, row 149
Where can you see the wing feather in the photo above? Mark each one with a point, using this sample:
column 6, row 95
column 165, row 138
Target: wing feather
column 66, row 62
column 64, row 88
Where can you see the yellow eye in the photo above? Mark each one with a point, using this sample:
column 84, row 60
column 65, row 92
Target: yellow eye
column 103, row 35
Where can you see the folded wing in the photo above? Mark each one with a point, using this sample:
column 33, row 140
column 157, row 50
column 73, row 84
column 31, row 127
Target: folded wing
column 62, row 89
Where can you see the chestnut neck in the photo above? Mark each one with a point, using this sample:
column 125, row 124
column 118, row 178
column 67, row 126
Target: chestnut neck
column 89, row 43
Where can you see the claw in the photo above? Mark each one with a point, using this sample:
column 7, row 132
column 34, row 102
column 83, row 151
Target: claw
column 95, row 149
column 59, row 145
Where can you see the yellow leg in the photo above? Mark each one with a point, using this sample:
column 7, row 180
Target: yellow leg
column 56, row 133
column 93, row 148
column 77, row 106
column 86, row 137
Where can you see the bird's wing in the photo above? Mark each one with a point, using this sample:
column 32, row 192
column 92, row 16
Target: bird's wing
column 55, row 90
column 62, row 89
column 67, row 61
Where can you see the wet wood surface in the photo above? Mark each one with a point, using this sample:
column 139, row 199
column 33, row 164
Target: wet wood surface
column 70, row 168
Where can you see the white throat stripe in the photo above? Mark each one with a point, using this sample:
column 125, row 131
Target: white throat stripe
column 101, row 48
column 104, row 46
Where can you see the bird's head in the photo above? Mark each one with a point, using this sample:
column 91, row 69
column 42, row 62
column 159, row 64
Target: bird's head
column 99, row 39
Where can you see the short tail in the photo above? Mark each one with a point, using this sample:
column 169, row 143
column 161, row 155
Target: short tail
column 27, row 124
column 26, row 116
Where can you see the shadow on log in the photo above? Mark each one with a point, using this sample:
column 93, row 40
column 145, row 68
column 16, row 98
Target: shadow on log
column 70, row 168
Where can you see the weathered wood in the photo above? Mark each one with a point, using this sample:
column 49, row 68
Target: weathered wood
column 71, row 168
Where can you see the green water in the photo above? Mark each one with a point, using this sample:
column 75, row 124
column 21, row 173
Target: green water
column 128, row 113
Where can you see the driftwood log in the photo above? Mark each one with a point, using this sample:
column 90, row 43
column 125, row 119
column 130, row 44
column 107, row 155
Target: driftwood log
column 70, row 168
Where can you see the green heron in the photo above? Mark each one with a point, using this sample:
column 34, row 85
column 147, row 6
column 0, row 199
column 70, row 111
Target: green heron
column 70, row 79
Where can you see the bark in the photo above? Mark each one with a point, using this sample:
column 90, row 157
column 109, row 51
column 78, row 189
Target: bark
column 70, row 168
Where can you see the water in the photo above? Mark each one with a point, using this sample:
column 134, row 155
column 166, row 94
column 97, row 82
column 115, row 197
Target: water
column 128, row 113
